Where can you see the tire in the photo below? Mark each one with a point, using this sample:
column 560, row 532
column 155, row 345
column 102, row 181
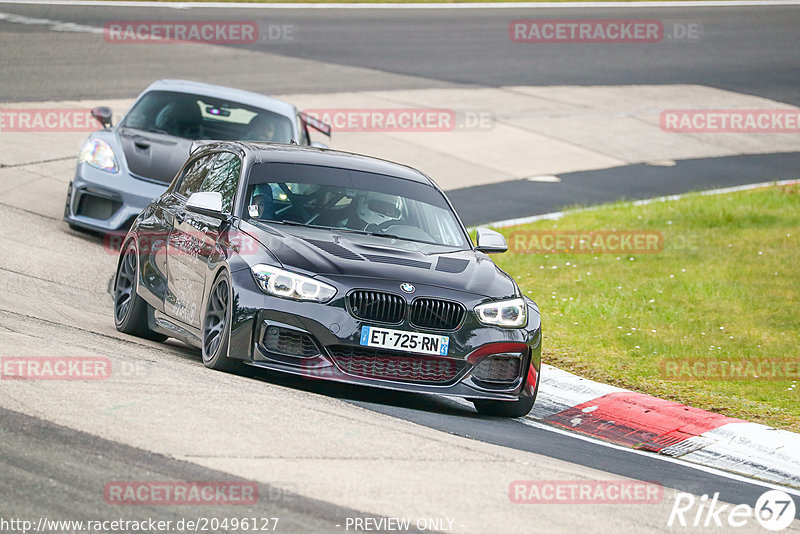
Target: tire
column 131, row 310
column 518, row 408
column 216, row 325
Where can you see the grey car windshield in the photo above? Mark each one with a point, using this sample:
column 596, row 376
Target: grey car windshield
column 350, row 200
column 200, row 117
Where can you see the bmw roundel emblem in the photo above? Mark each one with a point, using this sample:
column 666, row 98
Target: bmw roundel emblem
column 408, row 288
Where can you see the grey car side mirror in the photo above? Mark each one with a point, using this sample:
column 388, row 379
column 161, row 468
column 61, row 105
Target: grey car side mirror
column 102, row 114
column 490, row 242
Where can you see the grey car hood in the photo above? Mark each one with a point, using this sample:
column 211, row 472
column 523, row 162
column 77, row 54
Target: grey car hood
column 153, row 156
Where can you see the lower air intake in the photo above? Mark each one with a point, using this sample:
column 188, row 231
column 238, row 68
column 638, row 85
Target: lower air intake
column 498, row 370
column 386, row 365
column 289, row 342
column 96, row 207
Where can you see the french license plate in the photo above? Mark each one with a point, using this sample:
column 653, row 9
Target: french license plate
column 416, row 342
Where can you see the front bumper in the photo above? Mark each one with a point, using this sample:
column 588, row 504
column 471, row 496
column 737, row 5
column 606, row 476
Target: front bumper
column 334, row 330
column 105, row 202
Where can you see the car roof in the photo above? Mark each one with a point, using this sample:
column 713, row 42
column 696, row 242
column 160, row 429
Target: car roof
column 226, row 93
column 322, row 157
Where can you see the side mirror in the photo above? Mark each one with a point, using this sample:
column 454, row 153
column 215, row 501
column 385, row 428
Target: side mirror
column 208, row 203
column 490, row 242
column 102, row 114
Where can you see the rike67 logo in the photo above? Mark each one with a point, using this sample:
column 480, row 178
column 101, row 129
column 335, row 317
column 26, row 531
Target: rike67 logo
column 774, row 510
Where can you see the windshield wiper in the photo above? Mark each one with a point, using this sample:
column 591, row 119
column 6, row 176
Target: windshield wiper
column 388, row 236
column 351, row 231
column 295, row 223
column 401, row 238
column 148, row 130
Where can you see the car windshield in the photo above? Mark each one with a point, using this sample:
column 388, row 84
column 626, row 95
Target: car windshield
column 352, row 201
column 200, row 117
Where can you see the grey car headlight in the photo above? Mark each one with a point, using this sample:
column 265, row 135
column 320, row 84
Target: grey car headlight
column 98, row 154
column 289, row 285
column 511, row 313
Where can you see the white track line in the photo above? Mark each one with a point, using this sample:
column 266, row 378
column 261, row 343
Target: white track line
column 655, row 456
column 476, row 5
column 559, row 214
column 55, row 25
column 530, row 421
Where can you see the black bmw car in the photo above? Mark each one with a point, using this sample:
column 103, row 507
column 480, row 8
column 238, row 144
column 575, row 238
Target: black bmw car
column 328, row 265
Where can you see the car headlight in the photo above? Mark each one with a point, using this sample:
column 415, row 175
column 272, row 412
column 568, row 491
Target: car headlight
column 285, row 284
column 99, row 154
column 511, row 313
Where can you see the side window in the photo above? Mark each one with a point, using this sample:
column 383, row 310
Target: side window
column 217, row 172
column 195, row 175
column 223, row 177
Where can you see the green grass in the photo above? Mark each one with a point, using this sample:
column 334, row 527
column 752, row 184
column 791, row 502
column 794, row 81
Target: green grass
column 726, row 287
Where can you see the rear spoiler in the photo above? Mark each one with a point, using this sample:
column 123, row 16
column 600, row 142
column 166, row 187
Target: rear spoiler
column 315, row 123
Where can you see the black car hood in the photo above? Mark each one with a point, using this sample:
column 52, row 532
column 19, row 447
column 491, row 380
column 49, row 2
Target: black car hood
column 153, row 156
column 327, row 252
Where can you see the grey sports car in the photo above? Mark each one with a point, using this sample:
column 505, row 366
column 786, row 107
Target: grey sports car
column 122, row 168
